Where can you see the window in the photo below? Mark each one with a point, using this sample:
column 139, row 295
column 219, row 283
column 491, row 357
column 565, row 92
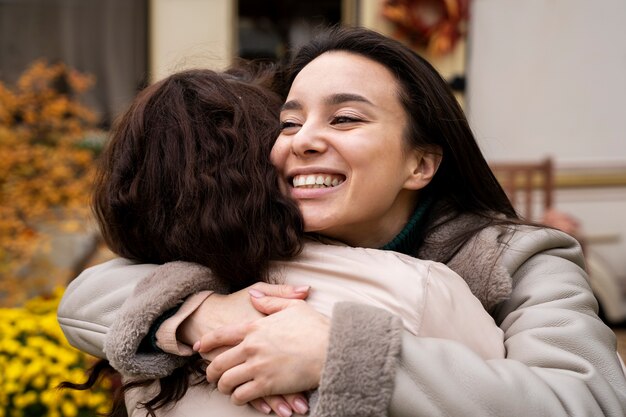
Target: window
column 268, row 28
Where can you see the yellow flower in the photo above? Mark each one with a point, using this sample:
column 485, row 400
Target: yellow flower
column 13, row 370
column 10, row 387
column 69, row 409
column 10, row 346
column 49, row 397
column 35, row 358
column 39, row 382
column 24, row 400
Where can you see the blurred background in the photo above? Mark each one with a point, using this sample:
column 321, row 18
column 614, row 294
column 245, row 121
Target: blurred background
column 542, row 81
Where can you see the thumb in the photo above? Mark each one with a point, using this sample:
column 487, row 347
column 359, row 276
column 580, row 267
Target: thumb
column 270, row 305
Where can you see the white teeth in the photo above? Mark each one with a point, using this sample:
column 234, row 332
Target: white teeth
column 316, row 181
column 298, row 181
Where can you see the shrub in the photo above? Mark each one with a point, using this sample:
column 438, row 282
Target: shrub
column 45, row 174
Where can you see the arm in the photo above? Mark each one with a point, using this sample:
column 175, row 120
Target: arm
column 165, row 288
column 119, row 301
column 90, row 309
column 92, row 300
column 561, row 359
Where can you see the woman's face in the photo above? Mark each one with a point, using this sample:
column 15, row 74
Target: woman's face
column 342, row 154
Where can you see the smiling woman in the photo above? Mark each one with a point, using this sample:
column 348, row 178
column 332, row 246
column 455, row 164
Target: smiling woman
column 327, row 130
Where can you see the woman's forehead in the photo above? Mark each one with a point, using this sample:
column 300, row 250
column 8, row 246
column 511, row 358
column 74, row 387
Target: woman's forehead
column 335, row 75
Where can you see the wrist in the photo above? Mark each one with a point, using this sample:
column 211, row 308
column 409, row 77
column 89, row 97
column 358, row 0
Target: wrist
column 200, row 322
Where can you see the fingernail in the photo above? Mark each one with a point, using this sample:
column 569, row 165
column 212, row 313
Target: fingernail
column 284, row 411
column 304, row 288
column 266, row 408
column 196, row 346
column 300, row 406
column 256, row 293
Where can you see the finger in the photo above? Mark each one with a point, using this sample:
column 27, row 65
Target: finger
column 247, row 392
column 210, row 355
column 224, row 336
column 261, row 405
column 222, row 363
column 233, row 378
column 271, row 305
column 282, row 291
column 279, row 405
column 298, row 403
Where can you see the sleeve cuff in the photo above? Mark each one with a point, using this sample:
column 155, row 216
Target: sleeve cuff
column 166, row 333
column 358, row 378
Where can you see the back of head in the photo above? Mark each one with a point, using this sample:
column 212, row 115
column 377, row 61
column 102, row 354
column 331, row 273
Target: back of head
column 464, row 182
column 186, row 176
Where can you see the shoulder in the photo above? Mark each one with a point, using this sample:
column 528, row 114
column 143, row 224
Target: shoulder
column 493, row 259
column 108, row 276
column 547, row 269
column 524, row 246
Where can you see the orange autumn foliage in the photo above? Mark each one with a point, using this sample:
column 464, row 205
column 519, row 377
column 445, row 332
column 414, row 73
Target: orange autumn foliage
column 45, row 175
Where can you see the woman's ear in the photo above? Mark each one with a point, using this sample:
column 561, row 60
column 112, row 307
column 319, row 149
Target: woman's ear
column 423, row 167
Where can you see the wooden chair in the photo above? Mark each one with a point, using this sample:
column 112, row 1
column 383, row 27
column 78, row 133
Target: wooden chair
column 528, row 185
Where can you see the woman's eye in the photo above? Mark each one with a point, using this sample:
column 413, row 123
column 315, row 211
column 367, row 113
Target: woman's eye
column 344, row 119
column 287, row 125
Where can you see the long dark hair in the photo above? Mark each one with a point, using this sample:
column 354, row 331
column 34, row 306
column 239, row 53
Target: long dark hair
column 464, row 183
column 186, row 175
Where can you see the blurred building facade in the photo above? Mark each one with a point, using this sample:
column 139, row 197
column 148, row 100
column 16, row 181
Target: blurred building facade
column 126, row 44
column 544, row 77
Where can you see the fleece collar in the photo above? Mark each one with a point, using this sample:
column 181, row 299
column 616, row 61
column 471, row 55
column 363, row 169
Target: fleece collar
column 477, row 261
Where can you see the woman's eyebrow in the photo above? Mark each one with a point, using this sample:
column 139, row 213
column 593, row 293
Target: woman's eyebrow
column 291, row 105
column 341, row 98
column 331, row 100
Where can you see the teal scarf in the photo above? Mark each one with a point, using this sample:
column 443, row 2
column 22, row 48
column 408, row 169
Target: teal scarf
column 407, row 240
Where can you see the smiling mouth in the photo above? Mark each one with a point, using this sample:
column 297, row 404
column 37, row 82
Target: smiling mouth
column 317, row 181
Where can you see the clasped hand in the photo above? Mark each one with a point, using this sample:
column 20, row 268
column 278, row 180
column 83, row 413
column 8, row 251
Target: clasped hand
column 280, row 354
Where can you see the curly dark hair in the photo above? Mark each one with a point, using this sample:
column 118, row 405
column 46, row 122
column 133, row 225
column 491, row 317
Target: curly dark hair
column 186, row 176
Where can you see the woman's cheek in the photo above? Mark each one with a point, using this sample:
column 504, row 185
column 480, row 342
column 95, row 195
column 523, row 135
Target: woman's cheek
column 278, row 153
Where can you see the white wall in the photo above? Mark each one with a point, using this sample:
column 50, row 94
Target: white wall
column 191, row 33
column 549, row 77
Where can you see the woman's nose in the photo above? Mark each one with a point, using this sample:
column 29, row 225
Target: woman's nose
column 308, row 141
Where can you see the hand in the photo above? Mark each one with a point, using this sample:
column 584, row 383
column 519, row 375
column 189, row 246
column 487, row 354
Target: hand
column 220, row 310
column 282, row 353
